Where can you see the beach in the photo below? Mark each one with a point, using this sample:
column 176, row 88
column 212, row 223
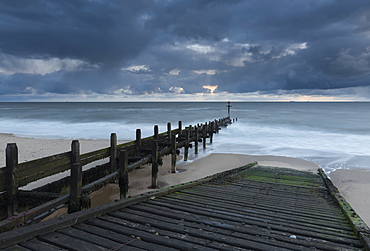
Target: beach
column 353, row 184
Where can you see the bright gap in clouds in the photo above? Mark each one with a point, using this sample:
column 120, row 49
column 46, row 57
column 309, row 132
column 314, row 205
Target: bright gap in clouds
column 211, row 88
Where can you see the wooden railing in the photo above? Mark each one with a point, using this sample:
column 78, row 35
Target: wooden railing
column 123, row 158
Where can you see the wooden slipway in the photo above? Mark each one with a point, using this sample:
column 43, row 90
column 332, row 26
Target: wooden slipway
column 249, row 208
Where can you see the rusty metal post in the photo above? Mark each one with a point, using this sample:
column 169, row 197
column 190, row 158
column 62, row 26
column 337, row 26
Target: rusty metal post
column 228, row 108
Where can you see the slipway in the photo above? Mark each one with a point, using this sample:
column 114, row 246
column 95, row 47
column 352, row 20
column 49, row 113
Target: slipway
column 248, row 208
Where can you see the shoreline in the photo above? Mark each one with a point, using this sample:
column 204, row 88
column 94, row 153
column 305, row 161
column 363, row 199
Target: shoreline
column 352, row 184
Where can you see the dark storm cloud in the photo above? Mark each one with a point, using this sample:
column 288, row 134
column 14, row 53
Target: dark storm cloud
column 135, row 47
column 96, row 31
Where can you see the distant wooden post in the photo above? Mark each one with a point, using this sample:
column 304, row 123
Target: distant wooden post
column 154, row 164
column 173, row 154
column 180, row 127
column 190, row 132
column 156, row 132
column 196, row 142
column 169, row 132
column 123, row 174
column 186, row 151
column 113, row 152
column 76, row 179
column 204, row 135
column 212, row 126
column 11, row 179
column 138, row 142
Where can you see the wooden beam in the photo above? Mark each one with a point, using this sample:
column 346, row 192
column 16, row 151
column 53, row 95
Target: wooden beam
column 123, row 174
column 169, row 132
column 76, row 179
column 154, row 164
column 196, row 141
column 11, row 178
column 186, row 147
column 138, row 142
column 113, row 152
column 173, row 154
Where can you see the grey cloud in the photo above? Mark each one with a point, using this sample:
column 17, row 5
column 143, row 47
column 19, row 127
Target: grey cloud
column 250, row 45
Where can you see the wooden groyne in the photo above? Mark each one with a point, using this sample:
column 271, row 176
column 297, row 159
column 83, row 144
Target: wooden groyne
column 21, row 207
column 248, row 208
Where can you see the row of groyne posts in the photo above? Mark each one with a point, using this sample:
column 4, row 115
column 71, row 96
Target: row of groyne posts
column 74, row 189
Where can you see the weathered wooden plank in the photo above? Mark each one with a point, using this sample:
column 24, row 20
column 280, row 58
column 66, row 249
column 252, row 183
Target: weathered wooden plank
column 242, row 205
column 138, row 142
column 70, row 243
column 173, row 154
column 95, row 155
column 122, row 227
column 2, row 179
column 123, row 174
column 38, row 245
column 94, row 239
column 23, row 217
column 12, row 182
column 259, row 221
column 41, row 168
column 154, row 183
column 313, row 225
column 16, row 248
column 114, row 236
column 76, row 179
column 275, row 205
column 113, row 152
column 196, row 235
column 233, row 228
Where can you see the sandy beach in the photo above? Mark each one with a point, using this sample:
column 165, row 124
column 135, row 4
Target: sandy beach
column 354, row 185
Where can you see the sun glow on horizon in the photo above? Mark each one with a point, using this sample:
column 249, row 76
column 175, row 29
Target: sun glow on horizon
column 211, row 88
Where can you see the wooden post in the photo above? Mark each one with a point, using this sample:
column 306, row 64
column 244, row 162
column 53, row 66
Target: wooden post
column 76, row 179
column 196, row 142
column 173, row 154
column 123, row 174
column 154, row 164
column 169, row 132
column 180, row 127
column 138, row 142
column 204, row 135
column 156, row 131
column 11, row 179
column 212, row 126
column 186, row 146
column 113, row 152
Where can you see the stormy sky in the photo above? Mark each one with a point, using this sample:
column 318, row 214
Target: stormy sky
column 184, row 50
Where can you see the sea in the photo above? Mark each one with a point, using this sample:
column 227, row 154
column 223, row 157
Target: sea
column 334, row 135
